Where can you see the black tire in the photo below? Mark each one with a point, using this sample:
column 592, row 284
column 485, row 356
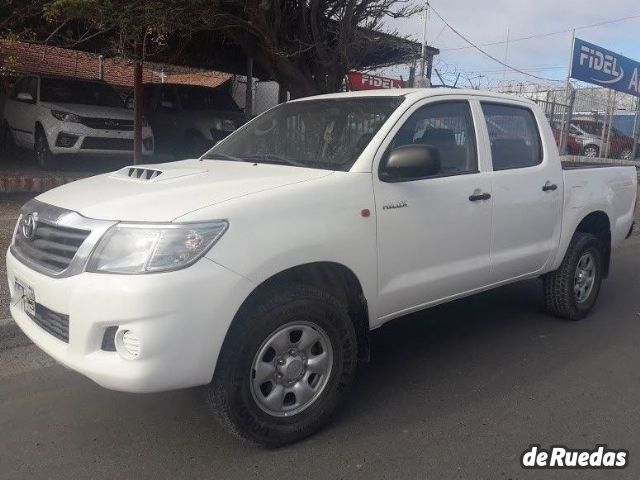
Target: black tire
column 560, row 296
column 230, row 393
column 41, row 150
column 626, row 154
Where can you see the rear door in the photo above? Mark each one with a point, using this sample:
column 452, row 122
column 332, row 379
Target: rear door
column 527, row 188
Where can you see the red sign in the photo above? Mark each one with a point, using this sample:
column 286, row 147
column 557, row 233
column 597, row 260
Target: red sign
column 364, row 81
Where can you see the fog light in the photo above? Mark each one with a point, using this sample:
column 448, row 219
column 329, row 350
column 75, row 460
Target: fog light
column 66, row 140
column 128, row 344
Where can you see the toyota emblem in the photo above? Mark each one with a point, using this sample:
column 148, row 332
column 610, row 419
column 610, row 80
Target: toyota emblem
column 29, row 225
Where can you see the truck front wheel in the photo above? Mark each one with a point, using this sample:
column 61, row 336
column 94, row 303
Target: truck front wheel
column 286, row 363
column 571, row 291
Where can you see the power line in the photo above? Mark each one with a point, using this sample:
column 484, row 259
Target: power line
column 488, row 54
column 543, row 35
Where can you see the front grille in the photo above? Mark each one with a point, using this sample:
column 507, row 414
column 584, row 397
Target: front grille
column 108, row 123
column 57, row 324
column 50, row 246
column 100, row 143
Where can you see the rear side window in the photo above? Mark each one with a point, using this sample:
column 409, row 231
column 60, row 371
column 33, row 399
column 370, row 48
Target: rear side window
column 514, row 135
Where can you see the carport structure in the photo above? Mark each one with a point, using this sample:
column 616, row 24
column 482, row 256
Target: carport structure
column 211, row 50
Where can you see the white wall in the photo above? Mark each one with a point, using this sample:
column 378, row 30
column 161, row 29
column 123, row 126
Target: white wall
column 265, row 94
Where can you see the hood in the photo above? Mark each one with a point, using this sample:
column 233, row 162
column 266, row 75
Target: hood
column 95, row 111
column 164, row 192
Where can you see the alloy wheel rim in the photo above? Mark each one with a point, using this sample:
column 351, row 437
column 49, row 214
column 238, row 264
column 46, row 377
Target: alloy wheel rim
column 590, row 152
column 291, row 369
column 584, row 278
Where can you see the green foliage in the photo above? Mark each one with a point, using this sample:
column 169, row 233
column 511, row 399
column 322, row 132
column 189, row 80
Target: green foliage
column 76, row 9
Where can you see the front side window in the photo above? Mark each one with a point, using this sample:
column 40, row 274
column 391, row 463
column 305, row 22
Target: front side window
column 324, row 134
column 448, row 127
column 168, row 100
column 514, row 136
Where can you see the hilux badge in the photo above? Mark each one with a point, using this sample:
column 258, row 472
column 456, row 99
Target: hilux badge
column 392, row 206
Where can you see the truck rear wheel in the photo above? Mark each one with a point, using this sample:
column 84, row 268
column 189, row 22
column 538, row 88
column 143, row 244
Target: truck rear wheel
column 286, row 363
column 571, row 291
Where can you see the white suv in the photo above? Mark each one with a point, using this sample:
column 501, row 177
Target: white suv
column 53, row 115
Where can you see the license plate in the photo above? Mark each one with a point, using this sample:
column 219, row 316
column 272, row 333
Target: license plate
column 27, row 296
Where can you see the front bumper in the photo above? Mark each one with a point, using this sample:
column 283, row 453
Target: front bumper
column 181, row 318
column 88, row 140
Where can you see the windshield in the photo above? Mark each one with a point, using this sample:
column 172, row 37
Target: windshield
column 325, row 134
column 200, row 98
column 59, row 90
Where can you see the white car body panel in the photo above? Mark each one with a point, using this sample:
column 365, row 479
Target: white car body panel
column 439, row 248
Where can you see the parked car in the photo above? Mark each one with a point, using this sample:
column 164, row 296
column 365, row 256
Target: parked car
column 573, row 147
column 259, row 269
column 56, row 115
column 188, row 119
column 589, row 134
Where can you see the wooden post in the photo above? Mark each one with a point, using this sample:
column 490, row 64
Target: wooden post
column 248, row 94
column 138, row 107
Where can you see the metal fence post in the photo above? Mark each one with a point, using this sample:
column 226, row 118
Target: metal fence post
column 611, row 112
column 564, row 136
column 636, row 130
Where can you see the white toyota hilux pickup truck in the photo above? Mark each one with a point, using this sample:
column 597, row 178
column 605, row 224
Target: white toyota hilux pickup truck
column 259, row 269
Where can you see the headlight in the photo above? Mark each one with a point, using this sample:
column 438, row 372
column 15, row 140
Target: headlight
column 66, row 116
column 143, row 248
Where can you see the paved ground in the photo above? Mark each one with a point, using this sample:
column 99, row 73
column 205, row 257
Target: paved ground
column 456, row 392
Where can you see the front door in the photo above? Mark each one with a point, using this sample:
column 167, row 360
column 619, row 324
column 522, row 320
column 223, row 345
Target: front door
column 434, row 234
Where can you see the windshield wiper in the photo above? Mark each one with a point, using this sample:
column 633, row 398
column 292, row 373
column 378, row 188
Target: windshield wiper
column 271, row 158
column 221, row 156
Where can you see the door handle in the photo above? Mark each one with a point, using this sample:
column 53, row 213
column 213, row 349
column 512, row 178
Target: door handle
column 549, row 187
column 479, row 196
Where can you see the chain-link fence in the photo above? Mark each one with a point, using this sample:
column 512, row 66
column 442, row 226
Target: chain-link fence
column 589, row 121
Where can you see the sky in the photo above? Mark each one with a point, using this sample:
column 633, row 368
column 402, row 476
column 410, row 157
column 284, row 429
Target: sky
column 496, row 20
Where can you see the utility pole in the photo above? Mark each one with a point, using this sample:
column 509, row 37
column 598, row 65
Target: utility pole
column 422, row 80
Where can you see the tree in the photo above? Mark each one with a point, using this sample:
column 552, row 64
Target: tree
column 308, row 46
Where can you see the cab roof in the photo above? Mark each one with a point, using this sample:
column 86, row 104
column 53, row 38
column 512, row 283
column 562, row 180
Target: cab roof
column 416, row 94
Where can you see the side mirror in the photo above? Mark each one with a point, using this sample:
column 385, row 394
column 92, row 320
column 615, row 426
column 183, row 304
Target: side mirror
column 166, row 104
column 129, row 103
column 24, row 97
column 411, row 162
